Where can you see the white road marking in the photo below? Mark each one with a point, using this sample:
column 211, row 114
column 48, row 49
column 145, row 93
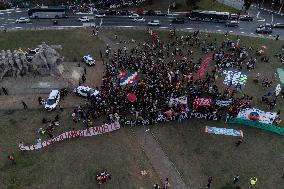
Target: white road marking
column 219, row 30
column 242, row 32
column 217, row 26
column 1, row 13
column 189, row 28
column 18, row 27
column 230, row 31
column 10, row 19
column 241, row 28
column 163, row 27
column 126, row 26
column 19, row 11
column 252, row 33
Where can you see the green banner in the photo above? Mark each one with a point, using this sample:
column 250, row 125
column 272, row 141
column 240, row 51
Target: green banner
column 280, row 72
column 264, row 126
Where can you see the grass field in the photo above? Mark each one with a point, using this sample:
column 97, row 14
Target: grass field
column 71, row 41
column 74, row 163
column 69, row 164
column 182, row 6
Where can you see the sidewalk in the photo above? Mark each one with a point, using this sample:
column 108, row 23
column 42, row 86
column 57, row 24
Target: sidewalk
column 159, row 160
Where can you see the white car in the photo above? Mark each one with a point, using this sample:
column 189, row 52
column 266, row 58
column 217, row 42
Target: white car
column 139, row 19
column 133, row 16
column 86, row 91
column 154, row 23
column 88, row 59
column 84, row 19
column 23, row 20
column 52, row 101
column 100, row 15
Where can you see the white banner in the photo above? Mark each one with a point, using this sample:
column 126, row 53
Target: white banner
column 177, row 101
column 224, row 103
column 257, row 115
column 277, row 90
column 92, row 131
column 234, row 77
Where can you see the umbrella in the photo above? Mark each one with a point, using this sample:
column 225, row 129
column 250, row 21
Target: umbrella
column 131, row 97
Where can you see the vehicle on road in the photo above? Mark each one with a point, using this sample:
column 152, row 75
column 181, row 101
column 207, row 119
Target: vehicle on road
column 213, row 16
column 154, row 23
column 111, row 12
column 245, row 18
column 133, row 16
column 260, row 19
column 234, row 17
column 232, row 23
column 86, row 91
column 150, row 13
column 178, row 21
column 84, row 19
column 278, row 25
column 88, row 59
column 100, row 15
column 161, row 13
column 263, row 29
column 23, row 20
column 47, row 12
column 52, row 101
column 139, row 19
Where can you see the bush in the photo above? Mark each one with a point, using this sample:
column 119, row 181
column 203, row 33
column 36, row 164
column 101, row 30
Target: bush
column 4, row 6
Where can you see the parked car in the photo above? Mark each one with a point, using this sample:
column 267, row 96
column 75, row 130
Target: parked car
column 263, row 29
column 100, row 15
column 133, row 15
column 232, row 23
column 278, row 25
column 178, row 21
column 86, row 91
column 88, row 59
column 154, row 23
column 23, row 20
column 139, row 19
column 246, row 18
column 84, row 19
column 111, row 12
column 52, row 101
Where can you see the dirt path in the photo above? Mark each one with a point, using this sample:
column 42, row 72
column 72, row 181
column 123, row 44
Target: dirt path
column 159, row 160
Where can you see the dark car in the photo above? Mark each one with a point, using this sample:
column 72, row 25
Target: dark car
column 124, row 12
column 278, row 25
column 178, row 21
column 150, row 13
column 232, row 23
column 246, row 18
column 263, row 29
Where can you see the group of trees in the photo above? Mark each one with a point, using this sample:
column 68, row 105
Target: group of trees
column 4, row 5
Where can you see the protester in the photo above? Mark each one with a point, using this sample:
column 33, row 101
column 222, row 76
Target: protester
column 210, row 179
column 12, row 159
column 24, row 105
column 166, row 184
column 236, row 179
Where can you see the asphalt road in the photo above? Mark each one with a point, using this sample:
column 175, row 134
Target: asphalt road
column 8, row 20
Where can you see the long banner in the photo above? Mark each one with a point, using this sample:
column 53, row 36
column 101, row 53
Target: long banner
column 224, row 131
column 254, row 114
column 164, row 118
column 92, row 131
column 203, row 67
column 264, row 126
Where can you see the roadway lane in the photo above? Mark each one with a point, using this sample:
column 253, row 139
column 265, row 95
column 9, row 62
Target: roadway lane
column 8, row 18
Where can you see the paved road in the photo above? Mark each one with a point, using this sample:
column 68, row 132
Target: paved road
column 8, row 18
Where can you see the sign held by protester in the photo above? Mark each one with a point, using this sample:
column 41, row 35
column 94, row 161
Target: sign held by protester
column 177, row 101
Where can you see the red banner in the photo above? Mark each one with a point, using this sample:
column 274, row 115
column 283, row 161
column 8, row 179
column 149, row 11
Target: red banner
column 203, row 67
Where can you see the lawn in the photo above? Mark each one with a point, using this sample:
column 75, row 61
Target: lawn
column 69, row 164
column 182, row 6
column 196, row 154
column 71, row 41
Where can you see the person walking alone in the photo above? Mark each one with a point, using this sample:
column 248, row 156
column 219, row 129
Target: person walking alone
column 236, row 179
column 166, row 184
column 12, row 159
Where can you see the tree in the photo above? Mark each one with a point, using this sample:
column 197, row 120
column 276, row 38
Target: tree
column 247, row 4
